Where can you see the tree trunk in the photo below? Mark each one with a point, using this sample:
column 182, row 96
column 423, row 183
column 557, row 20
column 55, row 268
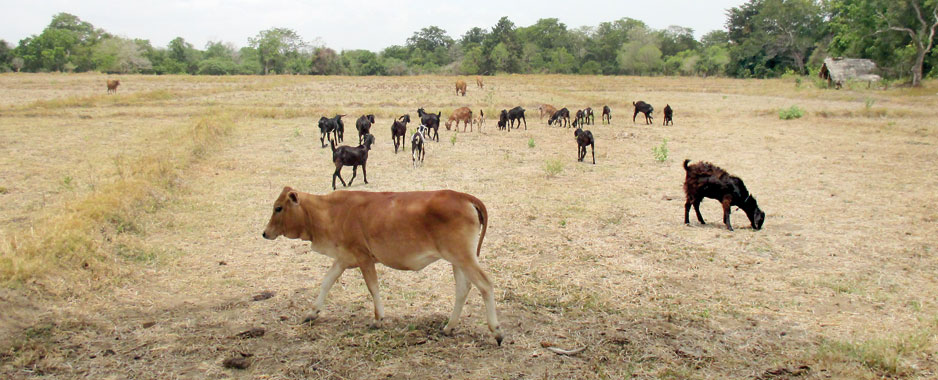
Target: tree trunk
column 917, row 68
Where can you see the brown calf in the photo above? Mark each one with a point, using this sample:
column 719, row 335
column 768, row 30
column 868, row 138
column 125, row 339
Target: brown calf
column 478, row 120
column 463, row 114
column 479, row 81
column 406, row 231
column 112, row 85
column 461, row 87
column 546, row 109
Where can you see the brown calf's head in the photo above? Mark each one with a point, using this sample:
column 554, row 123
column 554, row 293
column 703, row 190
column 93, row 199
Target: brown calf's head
column 288, row 216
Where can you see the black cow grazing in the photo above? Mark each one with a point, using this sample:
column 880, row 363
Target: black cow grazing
column 417, row 150
column 584, row 139
column 334, row 126
column 349, row 156
column 432, row 121
column 607, row 115
column 562, row 117
column 644, row 108
column 705, row 180
column 668, row 115
column 517, row 113
column 578, row 120
column 399, row 131
column 363, row 125
column 503, row 120
column 589, row 117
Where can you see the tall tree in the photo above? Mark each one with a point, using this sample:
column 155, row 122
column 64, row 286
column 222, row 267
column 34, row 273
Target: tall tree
column 273, row 47
column 770, row 36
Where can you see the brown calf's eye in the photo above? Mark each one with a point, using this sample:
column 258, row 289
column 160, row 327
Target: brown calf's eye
column 278, row 208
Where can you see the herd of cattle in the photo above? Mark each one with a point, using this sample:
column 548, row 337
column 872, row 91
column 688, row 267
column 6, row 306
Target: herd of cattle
column 410, row 230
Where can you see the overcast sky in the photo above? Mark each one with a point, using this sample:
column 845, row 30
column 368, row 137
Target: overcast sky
column 342, row 24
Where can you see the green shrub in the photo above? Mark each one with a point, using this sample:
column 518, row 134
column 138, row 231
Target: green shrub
column 553, row 167
column 531, row 142
column 790, row 113
column 661, row 151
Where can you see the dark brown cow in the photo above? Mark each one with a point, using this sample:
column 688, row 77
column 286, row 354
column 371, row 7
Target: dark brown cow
column 406, row 231
column 112, row 85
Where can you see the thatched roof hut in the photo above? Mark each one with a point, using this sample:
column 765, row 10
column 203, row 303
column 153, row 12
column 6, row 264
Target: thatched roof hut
column 838, row 70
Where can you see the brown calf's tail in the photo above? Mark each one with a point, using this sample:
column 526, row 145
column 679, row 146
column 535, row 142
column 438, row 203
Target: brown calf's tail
column 685, row 165
column 483, row 220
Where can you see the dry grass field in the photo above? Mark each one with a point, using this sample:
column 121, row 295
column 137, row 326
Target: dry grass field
column 131, row 248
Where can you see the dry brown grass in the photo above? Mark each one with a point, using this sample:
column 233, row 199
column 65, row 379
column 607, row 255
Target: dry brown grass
column 842, row 279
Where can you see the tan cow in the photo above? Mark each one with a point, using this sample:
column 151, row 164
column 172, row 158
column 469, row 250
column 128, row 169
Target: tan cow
column 112, row 85
column 406, row 231
column 546, row 109
column 479, row 81
column 463, row 114
column 461, row 87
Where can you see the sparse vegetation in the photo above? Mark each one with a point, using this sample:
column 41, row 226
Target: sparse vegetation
column 531, row 142
column 661, row 151
column 792, row 112
column 553, row 167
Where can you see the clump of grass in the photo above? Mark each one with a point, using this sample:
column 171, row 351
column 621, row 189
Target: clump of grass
column 888, row 357
column 869, row 103
column 553, row 167
column 661, row 151
column 452, row 140
column 67, row 181
column 531, row 142
column 792, row 112
column 4, row 190
column 296, row 132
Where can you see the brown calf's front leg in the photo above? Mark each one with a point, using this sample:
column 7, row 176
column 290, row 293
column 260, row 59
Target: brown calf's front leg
column 371, row 280
column 331, row 277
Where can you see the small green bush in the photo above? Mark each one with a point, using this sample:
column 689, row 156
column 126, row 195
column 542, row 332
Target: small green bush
column 661, row 151
column 531, row 142
column 553, row 167
column 790, row 113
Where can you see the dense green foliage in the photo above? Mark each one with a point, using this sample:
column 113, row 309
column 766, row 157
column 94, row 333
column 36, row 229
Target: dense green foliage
column 763, row 38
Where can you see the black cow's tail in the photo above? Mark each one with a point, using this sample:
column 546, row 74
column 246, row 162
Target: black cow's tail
column 685, row 165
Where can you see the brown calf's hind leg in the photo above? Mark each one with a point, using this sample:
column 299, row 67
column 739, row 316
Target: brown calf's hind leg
column 481, row 281
column 462, row 290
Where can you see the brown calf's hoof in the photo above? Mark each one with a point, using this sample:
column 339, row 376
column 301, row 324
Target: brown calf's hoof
column 310, row 318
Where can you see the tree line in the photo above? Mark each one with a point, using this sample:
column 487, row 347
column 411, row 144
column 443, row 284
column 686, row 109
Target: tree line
column 761, row 39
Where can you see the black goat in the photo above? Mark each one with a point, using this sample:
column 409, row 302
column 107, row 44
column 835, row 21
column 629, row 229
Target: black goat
column 349, row 156
column 417, row 150
column 399, row 130
column 561, row 117
column 432, row 121
column 668, row 115
column 644, row 108
column 705, row 180
column 607, row 115
column 334, row 126
column 590, row 118
column 584, row 139
column 578, row 120
column 517, row 113
column 363, row 125
column 503, row 120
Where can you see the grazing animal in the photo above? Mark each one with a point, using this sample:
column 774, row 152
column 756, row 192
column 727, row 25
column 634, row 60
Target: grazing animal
column 479, row 120
column 112, row 85
column 517, row 113
column 705, row 180
column 503, row 120
column 584, row 139
column 463, row 114
column 589, row 117
column 479, row 81
column 545, row 110
column 578, row 120
column 399, row 131
column 326, row 126
column 349, row 156
column 644, row 108
column 363, row 125
column 560, row 117
column 460, row 87
column 668, row 115
column 432, row 122
column 417, row 150
column 607, row 115
column 404, row 231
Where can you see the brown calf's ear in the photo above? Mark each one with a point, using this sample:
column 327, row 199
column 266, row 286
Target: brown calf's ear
column 293, row 197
